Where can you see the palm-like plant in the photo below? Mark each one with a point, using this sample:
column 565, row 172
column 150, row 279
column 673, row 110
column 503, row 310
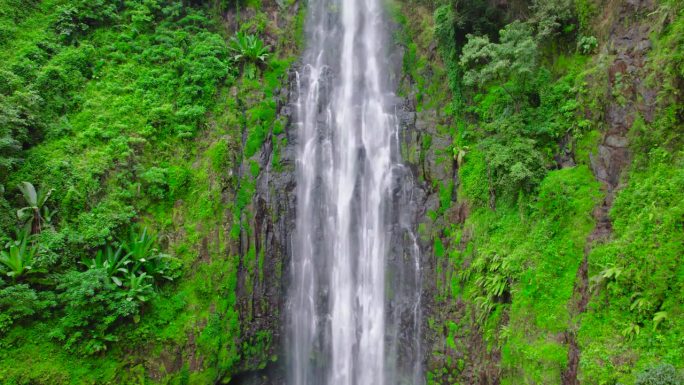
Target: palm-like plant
column 31, row 214
column 17, row 258
column 248, row 48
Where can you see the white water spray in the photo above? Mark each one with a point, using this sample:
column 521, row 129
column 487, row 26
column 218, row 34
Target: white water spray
column 347, row 149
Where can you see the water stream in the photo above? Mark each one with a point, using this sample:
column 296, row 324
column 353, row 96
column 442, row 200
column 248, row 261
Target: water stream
column 354, row 298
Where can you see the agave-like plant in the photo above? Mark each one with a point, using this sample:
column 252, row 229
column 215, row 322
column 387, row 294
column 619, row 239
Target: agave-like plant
column 248, row 48
column 141, row 248
column 114, row 261
column 31, row 215
column 139, row 286
column 17, row 258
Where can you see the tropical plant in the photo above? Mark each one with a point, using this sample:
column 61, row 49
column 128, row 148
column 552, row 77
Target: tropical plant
column 658, row 318
column 139, row 286
column 248, row 48
column 606, row 278
column 459, row 154
column 493, row 276
column 113, row 261
column 17, row 258
column 141, row 249
column 35, row 213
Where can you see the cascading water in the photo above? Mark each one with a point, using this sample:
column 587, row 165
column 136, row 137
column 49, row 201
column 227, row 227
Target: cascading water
column 354, row 305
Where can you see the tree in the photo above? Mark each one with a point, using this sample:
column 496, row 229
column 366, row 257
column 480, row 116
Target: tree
column 513, row 164
column 552, row 17
column 514, row 58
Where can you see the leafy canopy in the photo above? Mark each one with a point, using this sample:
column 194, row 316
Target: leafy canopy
column 514, row 57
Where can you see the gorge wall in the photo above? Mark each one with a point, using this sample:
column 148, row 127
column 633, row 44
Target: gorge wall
column 544, row 179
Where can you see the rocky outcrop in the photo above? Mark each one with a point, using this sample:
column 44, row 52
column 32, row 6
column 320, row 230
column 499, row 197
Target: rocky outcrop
column 270, row 218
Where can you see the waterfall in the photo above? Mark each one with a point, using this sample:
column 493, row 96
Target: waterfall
column 354, row 297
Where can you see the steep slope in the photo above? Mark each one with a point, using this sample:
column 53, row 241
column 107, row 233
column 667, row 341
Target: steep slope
column 158, row 119
column 545, row 138
column 550, row 154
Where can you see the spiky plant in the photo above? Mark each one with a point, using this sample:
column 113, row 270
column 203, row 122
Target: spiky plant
column 17, row 258
column 250, row 48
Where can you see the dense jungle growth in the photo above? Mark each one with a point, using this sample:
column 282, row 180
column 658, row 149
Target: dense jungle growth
column 145, row 188
column 557, row 164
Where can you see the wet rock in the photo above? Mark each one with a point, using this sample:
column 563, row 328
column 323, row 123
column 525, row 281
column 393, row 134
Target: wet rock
column 616, row 141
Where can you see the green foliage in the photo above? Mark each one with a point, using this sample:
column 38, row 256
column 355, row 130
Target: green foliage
column 587, row 44
column 111, row 260
column 586, row 11
column 18, row 114
column 492, row 281
column 513, row 166
column 664, row 374
column 551, row 17
column 527, row 107
column 637, row 276
column 103, row 101
column 445, row 20
column 155, row 180
column 18, row 256
column 141, row 247
column 513, row 57
column 80, row 16
column 248, row 51
column 36, row 212
column 92, row 307
column 248, row 48
column 19, row 302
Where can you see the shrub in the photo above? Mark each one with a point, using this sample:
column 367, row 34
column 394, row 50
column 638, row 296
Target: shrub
column 92, row 307
column 21, row 301
column 587, row 44
column 664, row 374
column 515, row 165
column 77, row 18
column 155, row 180
column 553, row 16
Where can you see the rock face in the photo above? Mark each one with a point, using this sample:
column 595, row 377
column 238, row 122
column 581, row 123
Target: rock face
column 423, row 149
column 261, row 292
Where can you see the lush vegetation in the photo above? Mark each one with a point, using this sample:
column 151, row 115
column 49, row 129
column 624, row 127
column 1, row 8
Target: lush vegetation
column 131, row 135
column 121, row 135
column 528, row 93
